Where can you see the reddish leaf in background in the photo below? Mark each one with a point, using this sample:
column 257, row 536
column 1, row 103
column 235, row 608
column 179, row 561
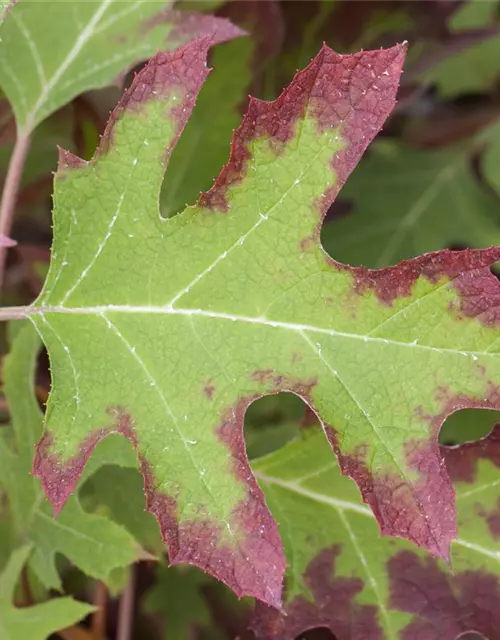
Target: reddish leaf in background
column 442, row 604
column 332, row 605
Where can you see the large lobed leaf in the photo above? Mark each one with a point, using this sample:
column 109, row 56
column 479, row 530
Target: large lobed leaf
column 166, row 330
column 344, row 577
column 96, row 43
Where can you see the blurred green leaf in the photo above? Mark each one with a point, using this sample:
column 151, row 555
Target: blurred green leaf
column 94, row 543
column 42, row 159
column 271, row 422
column 491, row 160
column 121, row 492
column 39, row 621
column 477, row 67
column 97, row 42
column 405, row 203
column 207, row 6
column 468, row 425
column 177, row 596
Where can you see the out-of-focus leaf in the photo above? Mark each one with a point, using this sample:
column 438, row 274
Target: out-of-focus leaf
column 468, row 425
column 207, row 6
column 477, row 67
column 39, row 621
column 42, row 159
column 264, row 22
column 121, row 492
column 94, row 543
column 96, row 43
column 177, row 596
column 405, row 203
column 270, row 422
column 491, row 160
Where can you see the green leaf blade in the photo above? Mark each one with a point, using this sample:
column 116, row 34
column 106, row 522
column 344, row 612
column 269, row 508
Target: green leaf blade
column 97, row 43
column 406, row 202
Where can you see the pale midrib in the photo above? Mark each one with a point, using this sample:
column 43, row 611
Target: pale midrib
column 345, row 505
column 215, row 315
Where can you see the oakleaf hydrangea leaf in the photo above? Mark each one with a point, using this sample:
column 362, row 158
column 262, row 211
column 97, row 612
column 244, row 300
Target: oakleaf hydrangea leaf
column 94, row 543
column 344, row 577
column 165, row 330
column 39, row 621
column 190, row 443
column 96, row 43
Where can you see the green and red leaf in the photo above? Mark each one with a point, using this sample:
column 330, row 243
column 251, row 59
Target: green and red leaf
column 165, row 330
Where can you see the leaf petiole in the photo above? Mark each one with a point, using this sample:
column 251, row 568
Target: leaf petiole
column 10, row 191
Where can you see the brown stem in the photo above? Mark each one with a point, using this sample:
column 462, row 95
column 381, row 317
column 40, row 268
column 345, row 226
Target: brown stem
column 26, row 589
column 10, row 190
column 126, row 608
column 99, row 617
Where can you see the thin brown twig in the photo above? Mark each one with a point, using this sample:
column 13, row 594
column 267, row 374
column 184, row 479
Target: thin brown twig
column 10, row 191
column 99, row 616
column 126, row 608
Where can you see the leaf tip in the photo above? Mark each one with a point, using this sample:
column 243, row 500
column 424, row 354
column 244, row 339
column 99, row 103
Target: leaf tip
column 68, row 160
